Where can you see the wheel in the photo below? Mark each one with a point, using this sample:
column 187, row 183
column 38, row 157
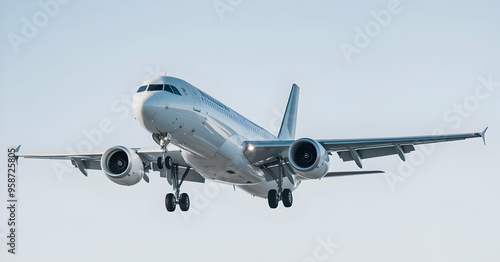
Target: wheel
column 170, row 202
column 184, row 202
column 159, row 163
column 272, row 198
column 168, row 162
column 287, row 197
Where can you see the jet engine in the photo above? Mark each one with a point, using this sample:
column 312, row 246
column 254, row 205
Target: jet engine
column 308, row 158
column 122, row 165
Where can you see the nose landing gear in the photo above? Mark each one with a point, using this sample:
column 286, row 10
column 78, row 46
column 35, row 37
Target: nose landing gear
column 167, row 162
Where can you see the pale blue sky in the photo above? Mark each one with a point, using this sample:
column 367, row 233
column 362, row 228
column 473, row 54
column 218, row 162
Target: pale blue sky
column 85, row 61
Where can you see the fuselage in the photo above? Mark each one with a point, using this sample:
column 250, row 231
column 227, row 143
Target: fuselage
column 210, row 134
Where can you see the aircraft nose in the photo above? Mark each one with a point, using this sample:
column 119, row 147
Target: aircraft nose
column 150, row 107
column 145, row 106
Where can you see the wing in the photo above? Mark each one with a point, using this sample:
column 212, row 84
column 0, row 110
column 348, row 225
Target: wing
column 92, row 160
column 266, row 152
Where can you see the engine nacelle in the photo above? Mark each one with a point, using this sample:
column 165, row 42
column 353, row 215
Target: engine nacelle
column 308, row 158
column 122, row 166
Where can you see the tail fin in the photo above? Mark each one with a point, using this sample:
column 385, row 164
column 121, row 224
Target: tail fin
column 287, row 130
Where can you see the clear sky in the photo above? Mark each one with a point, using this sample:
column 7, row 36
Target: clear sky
column 365, row 68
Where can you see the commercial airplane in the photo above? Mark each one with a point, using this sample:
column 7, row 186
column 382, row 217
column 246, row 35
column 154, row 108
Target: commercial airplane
column 217, row 143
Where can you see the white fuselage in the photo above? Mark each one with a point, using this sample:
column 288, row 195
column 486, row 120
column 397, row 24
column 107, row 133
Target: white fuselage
column 210, row 133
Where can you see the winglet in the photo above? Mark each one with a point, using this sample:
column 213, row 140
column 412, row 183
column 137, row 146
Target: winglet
column 17, row 150
column 483, row 135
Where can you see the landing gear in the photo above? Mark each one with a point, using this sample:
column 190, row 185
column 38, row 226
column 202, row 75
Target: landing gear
column 167, row 162
column 176, row 198
column 184, row 202
column 170, row 202
column 287, row 197
column 274, row 196
column 164, row 140
column 159, row 163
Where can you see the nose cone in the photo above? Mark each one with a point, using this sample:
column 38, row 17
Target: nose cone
column 145, row 106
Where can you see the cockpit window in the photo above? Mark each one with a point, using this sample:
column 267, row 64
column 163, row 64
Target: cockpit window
column 155, row 87
column 172, row 89
column 168, row 89
column 142, row 89
column 176, row 91
column 159, row 87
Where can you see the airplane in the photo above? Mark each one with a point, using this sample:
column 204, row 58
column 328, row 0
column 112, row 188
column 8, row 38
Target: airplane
column 216, row 143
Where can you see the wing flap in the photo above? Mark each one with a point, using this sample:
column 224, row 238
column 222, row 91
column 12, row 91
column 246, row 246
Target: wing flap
column 374, row 152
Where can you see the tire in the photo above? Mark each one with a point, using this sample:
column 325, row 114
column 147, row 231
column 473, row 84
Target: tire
column 272, row 198
column 184, row 202
column 170, row 202
column 159, row 163
column 287, row 197
column 168, row 162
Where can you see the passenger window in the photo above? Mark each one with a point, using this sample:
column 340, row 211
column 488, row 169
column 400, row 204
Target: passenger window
column 168, row 89
column 176, row 91
column 155, row 87
column 142, row 89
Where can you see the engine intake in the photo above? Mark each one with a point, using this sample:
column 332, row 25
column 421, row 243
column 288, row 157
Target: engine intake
column 122, row 166
column 308, row 158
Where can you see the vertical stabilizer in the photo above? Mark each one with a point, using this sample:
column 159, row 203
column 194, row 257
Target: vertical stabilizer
column 287, row 130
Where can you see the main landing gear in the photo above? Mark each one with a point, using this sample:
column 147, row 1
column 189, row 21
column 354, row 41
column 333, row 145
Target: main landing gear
column 285, row 195
column 176, row 198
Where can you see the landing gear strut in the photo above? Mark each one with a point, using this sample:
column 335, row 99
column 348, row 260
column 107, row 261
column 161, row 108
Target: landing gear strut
column 164, row 140
column 274, row 196
column 176, row 198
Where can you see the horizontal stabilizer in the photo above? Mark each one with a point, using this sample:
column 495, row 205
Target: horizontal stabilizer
column 352, row 173
column 483, row 135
